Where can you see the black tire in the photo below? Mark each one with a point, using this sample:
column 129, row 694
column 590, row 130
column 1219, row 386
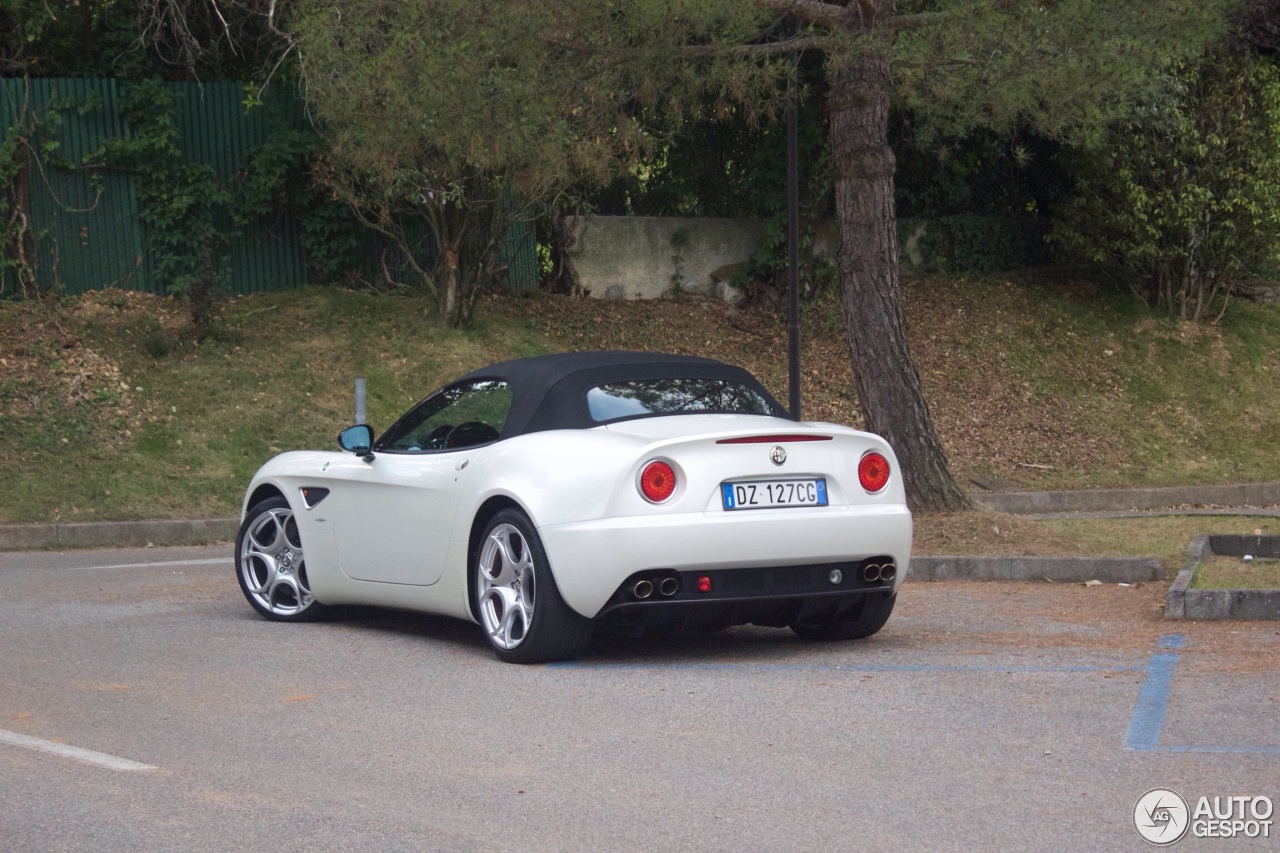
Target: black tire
column 270, row 564
column 517, row 602
column 863, row 617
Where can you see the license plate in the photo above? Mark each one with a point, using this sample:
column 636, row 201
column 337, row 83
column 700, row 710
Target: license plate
column 770, row 494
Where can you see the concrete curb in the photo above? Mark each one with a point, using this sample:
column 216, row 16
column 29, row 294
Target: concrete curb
column 1109, row 500
column 1183, row 602
column 1055, row 569
column 116, row 534
column 1233, row 512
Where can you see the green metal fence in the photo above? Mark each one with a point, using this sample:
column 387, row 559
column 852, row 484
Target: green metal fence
column 88, row 235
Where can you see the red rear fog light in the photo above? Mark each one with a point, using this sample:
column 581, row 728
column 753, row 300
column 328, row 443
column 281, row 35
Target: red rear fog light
column 703, row 584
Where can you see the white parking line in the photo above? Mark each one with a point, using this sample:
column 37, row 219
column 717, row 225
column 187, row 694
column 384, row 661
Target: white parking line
column 206, row 562
column 88, row 756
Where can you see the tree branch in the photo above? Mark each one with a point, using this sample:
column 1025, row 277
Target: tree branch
column 776, row 48
column 271, row 23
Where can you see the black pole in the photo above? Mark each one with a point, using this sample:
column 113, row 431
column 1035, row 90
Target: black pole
column 793, row 250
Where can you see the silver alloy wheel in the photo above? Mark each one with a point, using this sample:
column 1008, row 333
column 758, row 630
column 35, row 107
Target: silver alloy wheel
column 507, row 586
column 272, row 566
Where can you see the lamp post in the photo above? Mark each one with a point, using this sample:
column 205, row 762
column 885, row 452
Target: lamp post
column 793, row 247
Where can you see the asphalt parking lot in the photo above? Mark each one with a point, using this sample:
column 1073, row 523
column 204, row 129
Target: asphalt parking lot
column 143, row 706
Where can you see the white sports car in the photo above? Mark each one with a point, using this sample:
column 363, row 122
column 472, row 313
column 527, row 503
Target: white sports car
column 547, row 496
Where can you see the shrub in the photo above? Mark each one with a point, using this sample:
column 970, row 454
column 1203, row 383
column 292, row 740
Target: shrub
column 1184, row 199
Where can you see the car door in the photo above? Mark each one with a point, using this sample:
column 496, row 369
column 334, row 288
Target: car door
column 393, row 514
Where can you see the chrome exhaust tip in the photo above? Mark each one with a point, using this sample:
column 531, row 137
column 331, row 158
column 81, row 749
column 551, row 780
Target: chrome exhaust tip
column 871, row 573
column 642, row 589
column 888, row 572
column 669, row 586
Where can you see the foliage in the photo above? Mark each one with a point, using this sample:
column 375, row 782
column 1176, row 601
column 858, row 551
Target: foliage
column 16, row 238
column 448, row 111
column 1258, row 27
column 962, row 242
column 140, row 42
column 1185, row 199
column 277, row 178
column 177, row 199
column 1066, row 69
column 167, row 39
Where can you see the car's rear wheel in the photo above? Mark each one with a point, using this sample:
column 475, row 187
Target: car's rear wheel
column 864, row 617
column 519, row 606
column 271, row 566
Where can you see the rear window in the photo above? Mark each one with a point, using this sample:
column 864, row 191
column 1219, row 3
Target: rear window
column 672, row 396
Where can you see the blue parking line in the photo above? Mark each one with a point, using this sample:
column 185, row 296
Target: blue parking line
column 1144, row 726
column 1153, row 702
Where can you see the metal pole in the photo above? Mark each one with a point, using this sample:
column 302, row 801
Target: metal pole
column 360, row 410
column 793, row 249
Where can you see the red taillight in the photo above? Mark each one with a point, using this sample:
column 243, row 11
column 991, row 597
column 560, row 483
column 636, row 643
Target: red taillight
column 873, row 472
column 657, row 481
column 704, row 584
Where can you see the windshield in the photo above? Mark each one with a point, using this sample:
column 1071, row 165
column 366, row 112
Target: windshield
column 671, row 396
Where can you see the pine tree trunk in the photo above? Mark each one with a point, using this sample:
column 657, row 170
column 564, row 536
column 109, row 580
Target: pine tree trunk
column 887, row 382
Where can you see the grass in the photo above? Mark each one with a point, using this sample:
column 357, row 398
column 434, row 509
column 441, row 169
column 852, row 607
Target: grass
column 109, row 410
column 1163, row 537
column 1234, row 573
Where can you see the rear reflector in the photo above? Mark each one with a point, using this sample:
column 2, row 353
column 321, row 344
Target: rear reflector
column 772, row 439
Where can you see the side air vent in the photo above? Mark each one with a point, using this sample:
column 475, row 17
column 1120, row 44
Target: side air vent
column 312, row 495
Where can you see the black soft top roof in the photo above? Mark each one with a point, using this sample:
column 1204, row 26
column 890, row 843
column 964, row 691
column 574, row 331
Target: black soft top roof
column 550, row 391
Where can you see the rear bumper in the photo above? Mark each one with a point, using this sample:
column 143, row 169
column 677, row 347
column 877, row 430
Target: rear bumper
column 591, row 560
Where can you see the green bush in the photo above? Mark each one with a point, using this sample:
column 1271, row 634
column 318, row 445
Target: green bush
column 961, row 243
column 1184, row 200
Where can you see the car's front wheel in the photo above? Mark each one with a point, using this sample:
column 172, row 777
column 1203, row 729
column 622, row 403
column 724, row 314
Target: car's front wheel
column 271, row 566
column 864, row 617
column 517, row 601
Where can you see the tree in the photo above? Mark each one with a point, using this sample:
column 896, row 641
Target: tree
column 459, row 113
column 425, row 96
column 1065, row 68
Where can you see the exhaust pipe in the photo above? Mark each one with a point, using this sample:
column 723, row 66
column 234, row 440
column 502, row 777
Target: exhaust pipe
column 871, row 573
column 888, row 572
column 642, row 589
column 669, row 586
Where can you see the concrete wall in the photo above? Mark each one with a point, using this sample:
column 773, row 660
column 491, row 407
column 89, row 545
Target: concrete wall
column 644, row 257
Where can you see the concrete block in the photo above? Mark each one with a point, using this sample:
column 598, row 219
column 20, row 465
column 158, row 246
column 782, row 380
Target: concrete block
column 27, row 537
column 1105, row 500
column 1183, row 602
column 1232, row 604
column 1237, row 546
column 120, row 534
column 1056, row 569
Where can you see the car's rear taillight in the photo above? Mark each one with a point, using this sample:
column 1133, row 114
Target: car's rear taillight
column 657, row 481
column 873, row 472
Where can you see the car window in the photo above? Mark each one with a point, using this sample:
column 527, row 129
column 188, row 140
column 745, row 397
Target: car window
column 670, row 396
column 461, row 416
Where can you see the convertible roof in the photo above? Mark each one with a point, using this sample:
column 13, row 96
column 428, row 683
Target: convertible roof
column 550, row 391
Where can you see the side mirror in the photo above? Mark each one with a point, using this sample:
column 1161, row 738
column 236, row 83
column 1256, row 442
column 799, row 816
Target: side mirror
column 358, row 440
